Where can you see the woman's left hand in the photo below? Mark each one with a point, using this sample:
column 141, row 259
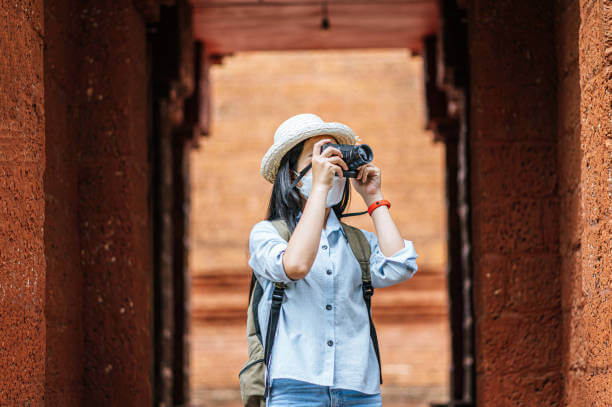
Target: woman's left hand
column 367, row 182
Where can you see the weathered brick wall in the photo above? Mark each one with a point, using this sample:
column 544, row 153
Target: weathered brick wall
column 379, row 94
column 22, row 205
column 515, row 204
column 584, row 34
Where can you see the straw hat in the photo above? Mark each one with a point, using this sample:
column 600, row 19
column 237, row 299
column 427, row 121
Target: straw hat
column 295, row 129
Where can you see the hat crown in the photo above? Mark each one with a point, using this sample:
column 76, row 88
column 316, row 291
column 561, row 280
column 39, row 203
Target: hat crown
column 295, row 123
column 297, row 129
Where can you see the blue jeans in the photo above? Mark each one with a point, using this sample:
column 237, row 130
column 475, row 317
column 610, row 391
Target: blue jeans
column 297, row 393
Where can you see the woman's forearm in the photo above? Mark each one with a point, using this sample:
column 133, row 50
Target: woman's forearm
column 390, row 240
column 304, row 242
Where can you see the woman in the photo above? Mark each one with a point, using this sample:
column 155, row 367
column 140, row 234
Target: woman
column 322, row 354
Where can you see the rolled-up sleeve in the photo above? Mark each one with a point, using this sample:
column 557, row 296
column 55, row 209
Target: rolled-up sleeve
column 386, row 271
column 266, row 248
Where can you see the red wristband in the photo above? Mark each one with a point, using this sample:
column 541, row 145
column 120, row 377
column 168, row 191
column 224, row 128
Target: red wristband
column 378, row 203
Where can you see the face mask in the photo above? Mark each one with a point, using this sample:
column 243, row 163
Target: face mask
column 334, row 195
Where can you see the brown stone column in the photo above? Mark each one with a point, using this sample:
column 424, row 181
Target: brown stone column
column 64, row 289
column 584, row 53
column 595, row 49
column 113, row 210
column 22, row 205
column 175, row 114
column 447, row 99
column 97, row 218
column 515, row 203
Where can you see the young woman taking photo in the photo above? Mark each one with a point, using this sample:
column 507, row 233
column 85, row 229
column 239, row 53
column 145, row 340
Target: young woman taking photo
column 322, row 353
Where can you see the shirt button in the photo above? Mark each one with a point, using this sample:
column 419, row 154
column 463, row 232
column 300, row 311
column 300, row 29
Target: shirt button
column 328, row 307
column 330, row 343
column 324, row 247
column 329, row 271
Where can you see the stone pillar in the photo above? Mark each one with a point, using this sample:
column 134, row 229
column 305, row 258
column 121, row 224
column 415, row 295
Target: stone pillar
column 64, row 290
column 97, row 229
column 584, row 154
column 114, row 204
column 22, row 204
column 76, row 292
column 186, row 137
column 447, row 99
column 175, row 114
column 515, row 203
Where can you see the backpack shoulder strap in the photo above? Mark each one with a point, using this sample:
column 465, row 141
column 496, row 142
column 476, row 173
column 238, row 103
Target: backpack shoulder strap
column 360, row 247
column 277, row 300
column 282, row 228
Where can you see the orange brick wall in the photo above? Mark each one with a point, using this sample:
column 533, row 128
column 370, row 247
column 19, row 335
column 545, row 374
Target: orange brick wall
column 378, row 93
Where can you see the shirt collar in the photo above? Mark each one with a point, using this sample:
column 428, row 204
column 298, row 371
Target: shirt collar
column 333, row 223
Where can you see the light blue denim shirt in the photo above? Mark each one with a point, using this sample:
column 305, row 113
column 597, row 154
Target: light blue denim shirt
column 323, row 333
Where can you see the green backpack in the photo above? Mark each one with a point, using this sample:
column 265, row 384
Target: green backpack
column 253, row 386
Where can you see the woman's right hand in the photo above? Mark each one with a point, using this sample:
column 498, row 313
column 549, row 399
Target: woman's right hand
column 325, row 165
column 303, row 245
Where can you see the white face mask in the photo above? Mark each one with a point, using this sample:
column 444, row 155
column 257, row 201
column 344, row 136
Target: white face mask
column 334, row 195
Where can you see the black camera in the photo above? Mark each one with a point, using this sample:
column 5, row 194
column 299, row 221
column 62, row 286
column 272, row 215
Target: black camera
column 353, row 156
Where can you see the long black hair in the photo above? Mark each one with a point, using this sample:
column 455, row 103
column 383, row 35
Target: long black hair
column 286, row 203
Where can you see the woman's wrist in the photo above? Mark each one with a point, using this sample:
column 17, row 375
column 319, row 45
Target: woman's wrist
column 370, row 199
column 318, row 194
column 322, row 188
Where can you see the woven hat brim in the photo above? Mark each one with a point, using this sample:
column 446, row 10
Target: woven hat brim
column 272, row 158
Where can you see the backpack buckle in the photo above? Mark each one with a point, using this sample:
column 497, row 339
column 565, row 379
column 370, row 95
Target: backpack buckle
column 277, row 295
column 368, row 290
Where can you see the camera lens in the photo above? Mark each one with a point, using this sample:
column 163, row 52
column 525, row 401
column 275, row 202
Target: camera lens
column 362, row 154
column 365, row 154
column 353, row 155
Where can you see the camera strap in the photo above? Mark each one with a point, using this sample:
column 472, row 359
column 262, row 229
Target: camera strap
column 344, row 215
column 302, row 173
